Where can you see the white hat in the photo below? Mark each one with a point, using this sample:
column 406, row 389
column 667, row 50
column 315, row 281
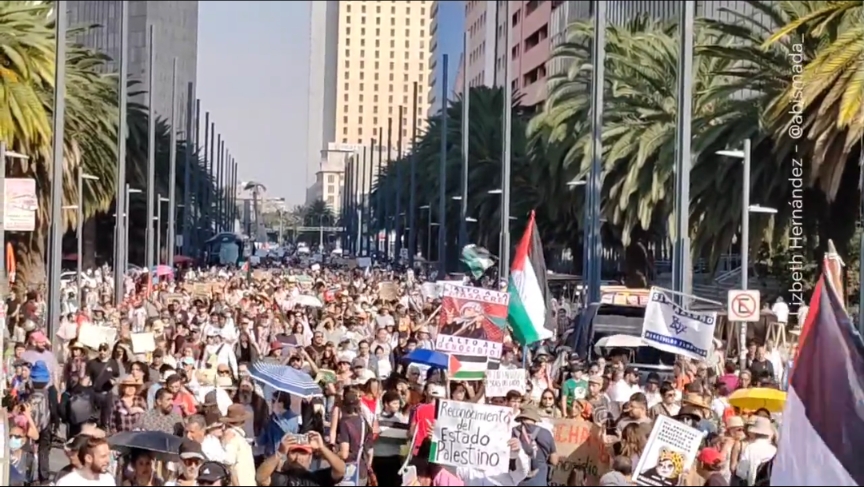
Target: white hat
column 762, row 426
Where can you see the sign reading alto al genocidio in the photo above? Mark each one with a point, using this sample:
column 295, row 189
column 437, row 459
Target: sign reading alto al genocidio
column 475, row 294
column 468, row 346
column 472, row 436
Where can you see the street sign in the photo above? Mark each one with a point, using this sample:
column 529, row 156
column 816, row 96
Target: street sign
column 743, row 305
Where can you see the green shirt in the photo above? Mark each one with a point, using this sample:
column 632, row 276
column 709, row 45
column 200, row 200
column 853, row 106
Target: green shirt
column 575, row 389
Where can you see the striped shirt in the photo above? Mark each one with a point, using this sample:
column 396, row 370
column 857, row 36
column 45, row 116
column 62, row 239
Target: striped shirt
column 392, row 434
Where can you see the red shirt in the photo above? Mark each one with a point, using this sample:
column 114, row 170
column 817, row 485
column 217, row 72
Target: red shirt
column 424, row 418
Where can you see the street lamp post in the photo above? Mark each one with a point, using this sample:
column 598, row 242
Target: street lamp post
column 442, row 175
column 158, row 224
column 466, row 97
column 746, row 209
column 121, row 207
column 56, row 246
column 80, row 226
column 151, row 152
column 172, row 169
column 126, row 219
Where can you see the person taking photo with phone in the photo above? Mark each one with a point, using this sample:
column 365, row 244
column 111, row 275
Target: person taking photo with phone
column 290, row 464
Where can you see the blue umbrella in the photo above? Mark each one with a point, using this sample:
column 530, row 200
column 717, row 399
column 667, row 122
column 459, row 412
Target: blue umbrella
column 431, row 358
column 285, row 379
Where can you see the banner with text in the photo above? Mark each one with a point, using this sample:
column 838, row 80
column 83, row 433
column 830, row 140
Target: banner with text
column 471, row 327
column 583, row 455
column 500, row 382
column 472, row 436
column 671, row 328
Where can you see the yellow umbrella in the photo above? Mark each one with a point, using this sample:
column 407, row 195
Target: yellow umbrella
column 757, row 398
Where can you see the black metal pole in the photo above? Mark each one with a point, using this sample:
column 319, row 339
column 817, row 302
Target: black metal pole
column 370, row 228
column 346, row 180
column 349, row 203
column 412, row 203
column 195, row 211
column 388, row 185
column 398, row 193
column 356, row 198
column 205, row 180
column 211, row 185
column 379, row 203
column 364, row 191
column 187, row 173
column 442, row 177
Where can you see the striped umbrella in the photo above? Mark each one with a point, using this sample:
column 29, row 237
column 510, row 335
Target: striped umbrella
column 285, row 379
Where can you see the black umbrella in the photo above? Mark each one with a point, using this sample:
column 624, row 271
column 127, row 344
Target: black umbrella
column 165, row 446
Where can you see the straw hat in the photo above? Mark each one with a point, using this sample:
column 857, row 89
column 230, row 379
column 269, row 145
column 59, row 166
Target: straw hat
column 734, row 422
column 130, row 381
column 696, row 400
column 237, row 414
column 762, row 426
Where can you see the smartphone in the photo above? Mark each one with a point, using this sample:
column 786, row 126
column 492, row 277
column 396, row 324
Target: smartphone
column 301, row 439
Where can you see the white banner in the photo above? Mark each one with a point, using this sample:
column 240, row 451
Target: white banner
column 472, row 436
column 673, row 329
column 473, row 347
column 500, row 382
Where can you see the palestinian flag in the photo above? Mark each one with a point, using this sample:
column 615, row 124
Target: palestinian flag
column 469, row 367
column 530, row 310
column 478, row 260
column 822, row 433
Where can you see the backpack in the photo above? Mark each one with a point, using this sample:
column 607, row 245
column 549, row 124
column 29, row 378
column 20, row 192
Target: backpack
column 39, row 410
column 531, row 449
column 79, row 409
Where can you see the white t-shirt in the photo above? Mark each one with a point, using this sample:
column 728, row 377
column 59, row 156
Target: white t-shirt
column 74, row 478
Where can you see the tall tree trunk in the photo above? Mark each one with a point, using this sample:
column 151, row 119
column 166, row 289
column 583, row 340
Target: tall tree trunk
column 89, row 248
column 30, row 251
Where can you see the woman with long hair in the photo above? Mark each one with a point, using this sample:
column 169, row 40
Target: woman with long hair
column 632, row 442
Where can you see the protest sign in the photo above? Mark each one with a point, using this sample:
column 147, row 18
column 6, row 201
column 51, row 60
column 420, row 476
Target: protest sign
column 472, row 436
column 582, row 452
column 671, row 328
column 169, row 298
column 388, row 291
column 473, row 357
column 669, row 453
column 143, row 342
column 500, row 382
column 92, row 336
column 201, row 290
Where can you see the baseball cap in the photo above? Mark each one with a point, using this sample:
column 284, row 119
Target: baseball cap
column 358, row 363
column 38, row 337
column 191, row 450
column 710, row 456
column 212, row 472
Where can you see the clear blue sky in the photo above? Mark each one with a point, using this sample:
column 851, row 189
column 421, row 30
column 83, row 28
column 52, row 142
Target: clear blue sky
column 253, row 76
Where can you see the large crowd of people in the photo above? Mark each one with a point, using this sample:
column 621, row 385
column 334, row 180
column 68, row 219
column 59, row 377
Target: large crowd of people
column 171, row 397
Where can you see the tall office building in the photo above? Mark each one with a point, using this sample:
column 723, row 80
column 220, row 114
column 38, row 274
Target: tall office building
column 445, row 17
column 528, row 51
column 176, row 31
column 618, row 12
column 381, row 50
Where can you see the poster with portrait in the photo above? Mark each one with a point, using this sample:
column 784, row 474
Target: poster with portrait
column 473, row 312
column 669, row 454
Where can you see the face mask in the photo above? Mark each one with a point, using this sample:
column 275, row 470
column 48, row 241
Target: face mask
column 16, row 443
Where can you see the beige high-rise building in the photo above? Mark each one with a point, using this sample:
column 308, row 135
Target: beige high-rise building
column 374, row 53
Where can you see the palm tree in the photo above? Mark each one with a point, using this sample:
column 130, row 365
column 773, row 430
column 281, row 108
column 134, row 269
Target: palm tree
column 318, row 213
column 827, row 48
column 26, row 81
column 26, row 88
